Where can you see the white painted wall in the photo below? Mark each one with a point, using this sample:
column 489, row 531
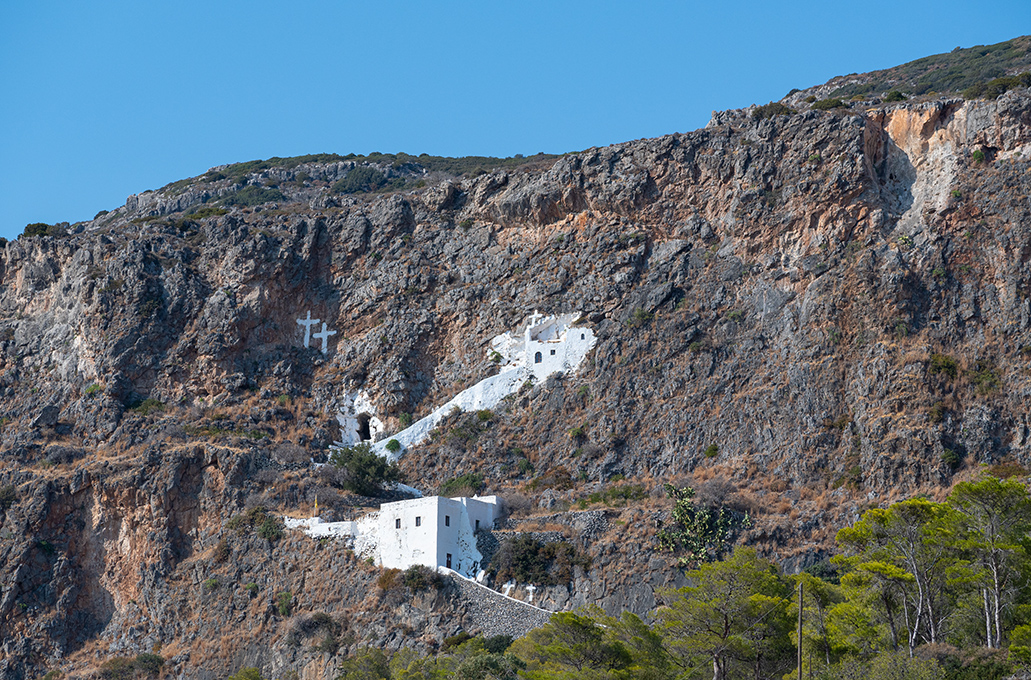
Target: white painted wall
column 316, row 528
column 446, row 526
column 562, row 347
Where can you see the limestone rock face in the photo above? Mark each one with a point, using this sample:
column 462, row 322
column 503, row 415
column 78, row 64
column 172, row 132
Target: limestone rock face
column 775, row 287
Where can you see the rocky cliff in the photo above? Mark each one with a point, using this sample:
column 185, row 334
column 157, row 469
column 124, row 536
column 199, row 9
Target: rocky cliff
column 837, row 300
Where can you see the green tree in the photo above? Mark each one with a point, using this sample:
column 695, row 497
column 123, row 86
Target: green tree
column 735, row 614
column 249, row 673
column 366, row 472
column 818, row 597
column 905, row 551
column 992, row 521
column 572, row 646
column 368, row 663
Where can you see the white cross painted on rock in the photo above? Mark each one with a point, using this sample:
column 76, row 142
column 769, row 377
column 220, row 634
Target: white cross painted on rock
column 324, row 337
column 308, row 323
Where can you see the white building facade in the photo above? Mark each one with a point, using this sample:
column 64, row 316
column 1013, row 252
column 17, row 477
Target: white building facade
column 434, row 532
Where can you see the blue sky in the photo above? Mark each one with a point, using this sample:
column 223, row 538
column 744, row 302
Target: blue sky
column 104, row 99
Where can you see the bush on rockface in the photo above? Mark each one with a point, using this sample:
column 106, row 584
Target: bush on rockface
column 463, row 485
column 258, row 520
column 365, row 472
column 770, row 110
column 527, row 560
column 828, row 104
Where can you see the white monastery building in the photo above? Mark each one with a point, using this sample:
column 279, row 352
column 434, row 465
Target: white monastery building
column 542, row 346
column 433, row 531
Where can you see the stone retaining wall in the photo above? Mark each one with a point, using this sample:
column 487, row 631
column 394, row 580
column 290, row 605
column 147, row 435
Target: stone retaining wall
column 496, row 614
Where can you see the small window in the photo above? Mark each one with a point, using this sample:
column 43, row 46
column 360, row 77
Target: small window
column 449, row 560
column 447, row 520
column 538, row 358
column 477, row 525
column 397, row 523
column 418, row 521
column 552, row 352
column 583, row 336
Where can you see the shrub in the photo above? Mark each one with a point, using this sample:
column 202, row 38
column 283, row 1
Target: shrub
column 148, row 406
column 249, row 673
column 389, row 579
column 577, row 433
column 465, row 224
column 484, row 415
column 937, row 412
column 640, row 317
column 8, row 496
column 257, row 519
column 497, row 644
column 405, row 419
column 364, row 471
column 815, row 158
column 527, row 560
column 93, row 390
column 206, row 211
column 985, row 377
column 252, row 195
column 455, row 640
column 943, row 363
column 393, row 446
column 894, row 96
column 418, row 577
column 149, row 663
column 524, row 466
column 251, row 588
column 956, row 193
column 711, row 451
column 466, row 484
column 118, row 668
column 618, row 495
column 770, row 110
column 271, row 528
column 210, row 584
column 283, row 602
column 810, row 99
column 978, row 156
column 828, row 104
column 36, row 229
column 362, row 179
column 222, row 551
column 951, row 458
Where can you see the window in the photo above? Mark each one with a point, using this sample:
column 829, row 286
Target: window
column 477, row 525
column 418, row 521
column 552, row 352
column 449, row 560
column 397, row 523
column 538, row 358
column 583, row 336
column 447, row 520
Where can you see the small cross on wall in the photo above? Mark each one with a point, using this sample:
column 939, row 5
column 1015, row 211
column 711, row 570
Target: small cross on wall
column 324, row 337
column 308, row 323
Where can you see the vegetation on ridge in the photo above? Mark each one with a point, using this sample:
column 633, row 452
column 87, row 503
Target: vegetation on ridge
column 954, row 71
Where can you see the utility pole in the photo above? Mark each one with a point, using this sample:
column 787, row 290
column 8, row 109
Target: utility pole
column 799, row 630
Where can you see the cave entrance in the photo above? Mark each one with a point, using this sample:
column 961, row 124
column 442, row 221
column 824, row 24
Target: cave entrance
column 364, row 433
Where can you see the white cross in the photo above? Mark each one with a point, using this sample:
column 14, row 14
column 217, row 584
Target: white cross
column 308, row 323
column 324, row 337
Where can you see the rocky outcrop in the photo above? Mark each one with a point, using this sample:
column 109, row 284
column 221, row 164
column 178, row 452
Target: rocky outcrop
column 838, row 301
